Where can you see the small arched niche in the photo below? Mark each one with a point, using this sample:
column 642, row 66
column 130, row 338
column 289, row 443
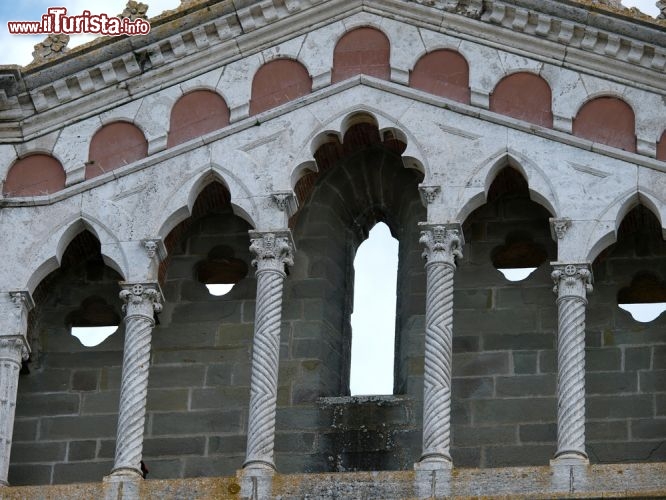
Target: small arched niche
column 444, row 73
column 277, row 82
column 195, row 114
column 661, row 147
column 608, row 120
column 362, row 51
column 115, row 145
column 34, row 175
column 524, row 96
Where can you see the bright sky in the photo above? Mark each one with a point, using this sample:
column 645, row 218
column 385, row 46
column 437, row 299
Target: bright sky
column 17, row 49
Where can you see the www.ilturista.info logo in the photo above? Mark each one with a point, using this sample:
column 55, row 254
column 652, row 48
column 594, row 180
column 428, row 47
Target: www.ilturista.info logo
column 57, row 22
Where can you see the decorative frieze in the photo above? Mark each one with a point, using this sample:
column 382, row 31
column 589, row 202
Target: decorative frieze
column 272, row 251
column 141, row 302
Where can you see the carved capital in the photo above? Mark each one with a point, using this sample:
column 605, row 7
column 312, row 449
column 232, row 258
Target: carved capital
column 442, row 244
column 272, row 251
column 134, row 10
column 572, row 280
column 14, row 348
column 429, row 194
column 143, row 299
column 559, row 227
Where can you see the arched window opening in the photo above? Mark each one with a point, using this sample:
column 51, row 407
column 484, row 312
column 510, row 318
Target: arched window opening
column 220, row 271
column 519, row 257
column 607, row 120
column 373, row 319
column 644, row 298
column 362, row 51
column 93, row 322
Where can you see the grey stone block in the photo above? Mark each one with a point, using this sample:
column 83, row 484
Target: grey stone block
column 25, row 475
column 511, row 456
column 228, row 374
column 38, row 452
column 100, row 402
column 303, row 417
column 654, row 381
column 87, row 359
column 611, row 382
column 291, row 463
column 521, row 341
column 483, row 363
column 25, row 429
column 472, row 387
column 547, row 361
column 614, row 430
column 476, row 435
column 466, row 457
column 164, row 469
column 196, row 422
column 619, row 406
column 603, row 359
column 637, row 358
column 649, row 429
column 472, row 299
column 164, row 376
column 227, row 445
column 660, row 400
column 637, row 451
column 81, row 450
column 525, row 385
column 161, row 447
column 110, row 378
column 196, row 333
column 297, row 442
column 78, row 427
column 37, row 405
column 538, row 433
column 513, row 410
column 84, row 380
column 81, row 472
column 224, row 312
column 167, row 400
column 220, row 397
column 466, row 343
column 524, row 362
column 46, row 380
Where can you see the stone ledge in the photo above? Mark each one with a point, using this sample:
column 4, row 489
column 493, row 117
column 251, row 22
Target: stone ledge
column 593, row 481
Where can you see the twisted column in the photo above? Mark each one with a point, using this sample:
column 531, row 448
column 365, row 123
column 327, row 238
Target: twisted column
column 13, row 350
column 442, row 246
column 572, row 284
column 272, row 252
column 142, row 301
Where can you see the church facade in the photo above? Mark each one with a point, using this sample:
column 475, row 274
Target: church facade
column 255, row 144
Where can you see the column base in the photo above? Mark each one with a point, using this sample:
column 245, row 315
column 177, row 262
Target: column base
column 259, row 467
column 434, row 461
column 569, row 458
column 125, row 473
column 3, row 483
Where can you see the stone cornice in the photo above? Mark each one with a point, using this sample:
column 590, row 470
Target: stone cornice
column 601, row 41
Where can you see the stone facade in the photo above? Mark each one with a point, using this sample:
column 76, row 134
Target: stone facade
column 256, row 144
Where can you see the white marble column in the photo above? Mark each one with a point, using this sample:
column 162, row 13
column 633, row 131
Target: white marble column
column 13, row 350
column 142, row 301
column 572, row 284
column 442, row 245
column 272, row 251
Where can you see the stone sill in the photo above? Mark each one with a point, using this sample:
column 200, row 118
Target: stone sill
column 593, row 481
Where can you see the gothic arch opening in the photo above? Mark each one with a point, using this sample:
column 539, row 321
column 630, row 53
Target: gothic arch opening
column 198, row 395
column 68, row 393
column 625, row 358
column 504, row 333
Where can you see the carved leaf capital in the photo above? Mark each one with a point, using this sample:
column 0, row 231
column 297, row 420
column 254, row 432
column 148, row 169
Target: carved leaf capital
column 272, row 251
column 141, row 298
column 572, row 280
column 442, row 245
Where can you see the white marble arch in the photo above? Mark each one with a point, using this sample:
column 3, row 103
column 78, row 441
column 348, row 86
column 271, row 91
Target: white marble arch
column 540, row 186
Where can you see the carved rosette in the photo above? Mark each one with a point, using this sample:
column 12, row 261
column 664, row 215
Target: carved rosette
column 272, row 253
column 49, row 48
column 572, row 284
column 13, row 349
column 661, row 5
column 142, row 301
column 442, row 246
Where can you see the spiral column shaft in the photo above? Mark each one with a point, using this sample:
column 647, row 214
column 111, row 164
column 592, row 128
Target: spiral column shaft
column 141, row 302
column 442, row 246
column 572, row 283
column 13, row 350
column 273, row 251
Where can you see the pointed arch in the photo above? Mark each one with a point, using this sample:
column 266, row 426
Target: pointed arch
column 540, row 187
column 363, row 50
